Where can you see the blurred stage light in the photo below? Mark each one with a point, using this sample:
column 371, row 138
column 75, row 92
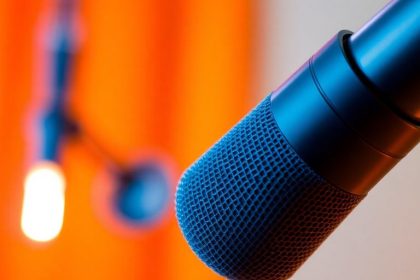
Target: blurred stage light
column 43, row 202
column 142, row 195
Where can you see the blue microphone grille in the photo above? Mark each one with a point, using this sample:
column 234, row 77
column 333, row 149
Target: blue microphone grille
column 251, row 208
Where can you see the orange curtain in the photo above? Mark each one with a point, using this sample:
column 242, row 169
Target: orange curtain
column 156, row 78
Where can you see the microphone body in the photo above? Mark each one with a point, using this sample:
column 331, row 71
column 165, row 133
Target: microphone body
column 263, row 198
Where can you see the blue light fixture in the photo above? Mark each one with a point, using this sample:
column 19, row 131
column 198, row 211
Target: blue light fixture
column 143, row 194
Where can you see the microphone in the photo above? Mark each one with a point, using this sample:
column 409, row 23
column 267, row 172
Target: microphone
column 260, row 201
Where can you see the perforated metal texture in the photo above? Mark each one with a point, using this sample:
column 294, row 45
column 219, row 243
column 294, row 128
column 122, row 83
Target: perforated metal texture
column 250, row 208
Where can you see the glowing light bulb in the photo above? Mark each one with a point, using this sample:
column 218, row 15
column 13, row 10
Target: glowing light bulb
column 43, row 202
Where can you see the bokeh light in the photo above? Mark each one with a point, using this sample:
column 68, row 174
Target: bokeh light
column 43, row 202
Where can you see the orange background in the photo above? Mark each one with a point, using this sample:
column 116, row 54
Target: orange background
column 164, row 78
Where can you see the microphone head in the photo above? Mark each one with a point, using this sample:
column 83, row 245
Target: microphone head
column 251, row 208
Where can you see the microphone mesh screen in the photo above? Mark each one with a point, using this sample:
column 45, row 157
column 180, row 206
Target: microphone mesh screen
column 250, row 208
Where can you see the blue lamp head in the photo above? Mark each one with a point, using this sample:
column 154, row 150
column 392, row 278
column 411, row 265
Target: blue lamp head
column 143, row 193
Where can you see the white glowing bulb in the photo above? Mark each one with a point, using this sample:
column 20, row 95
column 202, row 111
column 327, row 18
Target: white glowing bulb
column 43, row 202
